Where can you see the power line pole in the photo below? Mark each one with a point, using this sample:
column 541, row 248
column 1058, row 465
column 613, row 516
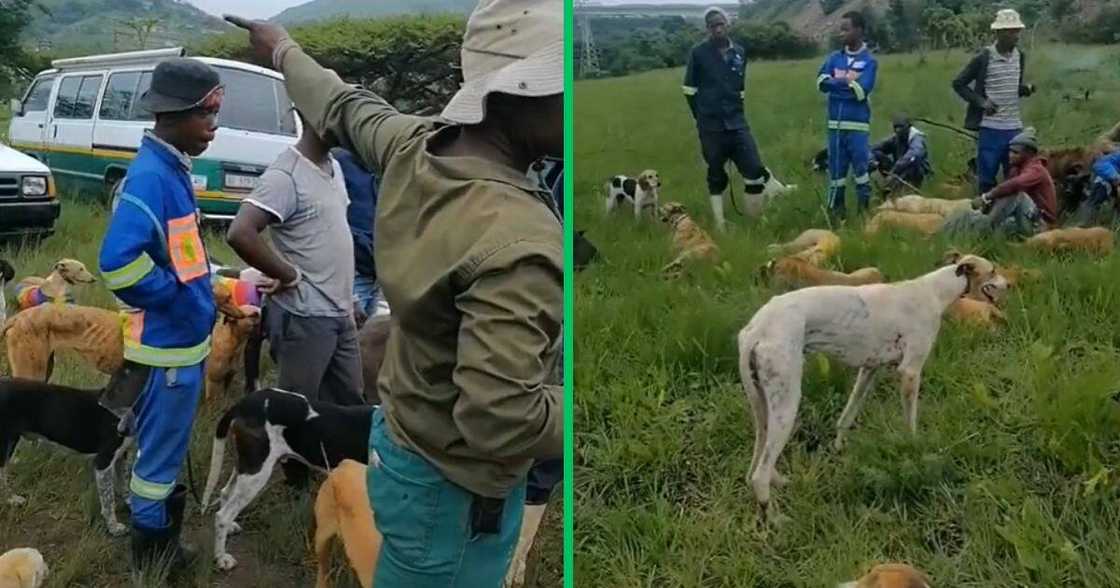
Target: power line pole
column 589, row 55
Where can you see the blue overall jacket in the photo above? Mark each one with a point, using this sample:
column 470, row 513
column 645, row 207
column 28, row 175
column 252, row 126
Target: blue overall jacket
column 1107, row 167
column 849, row 106
column 153, row 260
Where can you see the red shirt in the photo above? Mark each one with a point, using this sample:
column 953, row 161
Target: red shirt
column 1032, row 178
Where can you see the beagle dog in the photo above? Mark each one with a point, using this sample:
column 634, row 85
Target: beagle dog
column 642, row 192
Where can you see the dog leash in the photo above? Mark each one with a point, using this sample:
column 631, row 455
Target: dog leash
column 731, row 189
column 190, row 477
column 957, row 130
column 326, row 462
column 907, row 184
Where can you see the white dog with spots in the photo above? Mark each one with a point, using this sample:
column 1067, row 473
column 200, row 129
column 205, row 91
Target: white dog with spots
column 862, row 326
column 270, row 426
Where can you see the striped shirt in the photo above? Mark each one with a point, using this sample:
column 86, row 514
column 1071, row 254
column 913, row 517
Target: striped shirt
column 1002, row 88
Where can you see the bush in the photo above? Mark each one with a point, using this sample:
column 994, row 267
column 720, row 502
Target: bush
column 1103, row 29
column 408, row 61
column 772, row 41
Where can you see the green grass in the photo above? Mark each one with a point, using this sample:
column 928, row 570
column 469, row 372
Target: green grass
column 1011, row 480
column 62, row 520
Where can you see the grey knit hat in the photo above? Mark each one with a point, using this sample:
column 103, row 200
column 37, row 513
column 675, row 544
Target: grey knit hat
column 1026, row 140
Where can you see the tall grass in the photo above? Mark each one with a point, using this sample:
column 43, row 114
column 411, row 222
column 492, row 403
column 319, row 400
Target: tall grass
column 1011, row 480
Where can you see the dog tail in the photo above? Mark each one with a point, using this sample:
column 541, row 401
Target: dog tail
column 217, row 452
column 747, row 342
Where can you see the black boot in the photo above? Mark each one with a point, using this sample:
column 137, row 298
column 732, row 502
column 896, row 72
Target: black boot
column 156, row 546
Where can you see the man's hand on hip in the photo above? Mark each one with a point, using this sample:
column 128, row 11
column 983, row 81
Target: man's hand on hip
column 264, row 37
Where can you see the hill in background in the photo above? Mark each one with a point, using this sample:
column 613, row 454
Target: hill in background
column 76, row 27
column 329, row 9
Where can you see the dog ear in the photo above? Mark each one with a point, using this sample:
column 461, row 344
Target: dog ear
column 643, row 181
column 966, row 266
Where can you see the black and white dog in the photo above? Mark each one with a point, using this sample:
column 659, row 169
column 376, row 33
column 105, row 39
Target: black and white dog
column 271, row 425
column 642, row 192
column 69, row 417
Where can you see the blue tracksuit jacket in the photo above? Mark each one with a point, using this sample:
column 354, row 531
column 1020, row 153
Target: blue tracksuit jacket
column 849, row 107
column 154, row 261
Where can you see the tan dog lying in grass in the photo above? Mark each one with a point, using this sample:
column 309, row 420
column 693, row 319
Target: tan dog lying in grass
column 915, row 204
column 925, row 223
column 689, row 240
column 34, row 290
column 227, row 346
column 982, row 309
column 342, row 509
column 34, row 335
column 977, row 313
column 1094, row 240
column 815, row 246
column 891, row 576
column 792, row 273
column 23, row 567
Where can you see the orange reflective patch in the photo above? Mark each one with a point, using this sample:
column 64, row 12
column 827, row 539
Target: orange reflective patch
column 187, row 253
column 132, row 324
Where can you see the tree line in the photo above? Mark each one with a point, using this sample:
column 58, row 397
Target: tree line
column 632, row 44
column 411, row 61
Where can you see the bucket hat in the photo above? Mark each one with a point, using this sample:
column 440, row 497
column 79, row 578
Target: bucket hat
column 1007, row 19
column 512, row 47
column 180, row 84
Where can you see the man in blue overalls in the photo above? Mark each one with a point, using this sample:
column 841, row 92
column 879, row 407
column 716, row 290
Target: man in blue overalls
column 154, row 261
column 848, row 77
column 714, row 82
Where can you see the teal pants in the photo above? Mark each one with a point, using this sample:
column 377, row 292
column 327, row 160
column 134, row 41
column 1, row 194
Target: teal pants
column 425, row 522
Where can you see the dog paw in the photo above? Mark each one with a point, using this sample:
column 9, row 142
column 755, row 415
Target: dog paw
column 226, row 562
column 117, row 529
column 234, row 528
column 16, row 500
column 779, row 480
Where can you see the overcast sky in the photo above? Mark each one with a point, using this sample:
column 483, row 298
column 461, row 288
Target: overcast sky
column 248, row 8
column 708, row 2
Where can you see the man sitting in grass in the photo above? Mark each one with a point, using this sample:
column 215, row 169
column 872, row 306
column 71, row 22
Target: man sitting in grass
column 1019, row 207
column 902, row 158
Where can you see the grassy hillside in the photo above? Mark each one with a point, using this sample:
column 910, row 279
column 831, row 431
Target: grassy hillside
column 62, row 520
column 328, row 9
column 89, row 26
column 1011, row 481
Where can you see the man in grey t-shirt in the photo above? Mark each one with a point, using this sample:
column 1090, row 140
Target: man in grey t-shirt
column 308, row 312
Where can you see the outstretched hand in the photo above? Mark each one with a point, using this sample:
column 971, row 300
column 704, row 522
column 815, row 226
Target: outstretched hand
column 264, row 36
